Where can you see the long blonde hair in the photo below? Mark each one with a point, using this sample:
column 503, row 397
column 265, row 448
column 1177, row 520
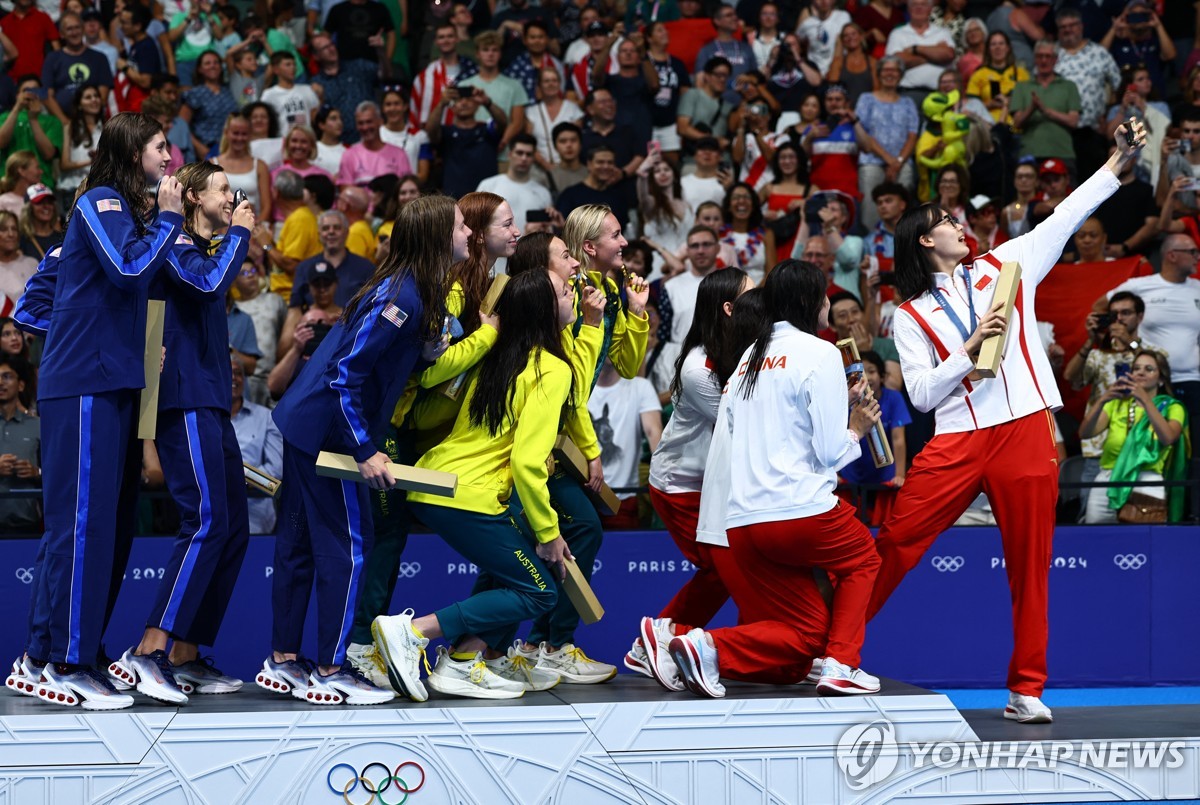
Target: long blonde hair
column 16, row 161
column 584, row 223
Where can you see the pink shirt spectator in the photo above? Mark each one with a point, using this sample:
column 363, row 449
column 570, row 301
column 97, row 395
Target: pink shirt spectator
column 177, row 160
column 360, row 165
column 311, row 170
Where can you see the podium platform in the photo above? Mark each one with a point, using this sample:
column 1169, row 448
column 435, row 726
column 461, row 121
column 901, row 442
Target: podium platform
column 627, row 741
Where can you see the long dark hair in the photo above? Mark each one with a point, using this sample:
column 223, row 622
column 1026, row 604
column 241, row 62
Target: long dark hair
column 421, row 246
column 801, row 162
column 913, row 265
column 532, row 254
column 80, row 133
column 795, row 292
column 756, row 217
column 747, row 324
column 473, row 274
column 709, row 322
column 661, row 207
column 529, row 309
column 118, row 162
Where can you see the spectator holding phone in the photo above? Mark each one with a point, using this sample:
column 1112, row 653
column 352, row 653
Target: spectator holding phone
column 1172, row 299
column 1144, row 425
column 29, row 126
column 1137, row 37
column 1177, row 172
column 1113, row 339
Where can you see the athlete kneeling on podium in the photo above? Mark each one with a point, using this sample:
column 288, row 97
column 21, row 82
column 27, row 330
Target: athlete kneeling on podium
column 341, row 402
column 504, row 432
column 787, row 413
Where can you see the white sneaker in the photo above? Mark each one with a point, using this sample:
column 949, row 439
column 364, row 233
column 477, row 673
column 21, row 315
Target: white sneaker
column 86, row 687
column 402, row 652
column 838, row 679
column 657, row 635
column 1027, row 710
column 636, row 659
column 516, row 667
column 575, row 667
column 344, row 686
column 25, row 676
column 151, row 674
column 202, row 676
column 697, row 664
column 288, row 677
column 814, row 673
column 471, row 678
column 365, row 659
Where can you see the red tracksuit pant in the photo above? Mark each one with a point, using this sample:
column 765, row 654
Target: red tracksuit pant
column 703, row 595
column 1017, row 466
column 783, row 622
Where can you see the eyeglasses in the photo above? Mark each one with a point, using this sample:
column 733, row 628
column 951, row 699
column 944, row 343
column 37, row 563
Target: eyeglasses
column 1189, row 252
column 249, row 272
column 945, row 219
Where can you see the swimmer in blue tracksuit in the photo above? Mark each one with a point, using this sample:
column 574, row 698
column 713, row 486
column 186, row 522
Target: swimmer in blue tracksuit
column 197, row 446
column 341, row 402
column 90, row 374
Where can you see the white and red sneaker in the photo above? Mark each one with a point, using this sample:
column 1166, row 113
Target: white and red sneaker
column 86, row 687
column 657, row 634
column 25, row 676
column 636, row 659
column 287, row 677
column 1027, row 710
column 838, row 679
column 697, row 664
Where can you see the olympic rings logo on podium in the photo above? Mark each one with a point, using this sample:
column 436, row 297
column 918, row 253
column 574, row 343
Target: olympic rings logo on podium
column 409, row 570
column 947, row 564
column 25, row 575
column 374, row 788
column 1130, row 561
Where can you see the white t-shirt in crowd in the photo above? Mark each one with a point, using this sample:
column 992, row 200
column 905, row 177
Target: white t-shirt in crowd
column 292, row 106
column 923, row 76
column 1172, row 321
column 617, row 417
column 696, row 190
column 411, row 143
column 822, row 36
column 521, row 196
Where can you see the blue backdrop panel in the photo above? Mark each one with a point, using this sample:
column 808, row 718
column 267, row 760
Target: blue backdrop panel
column 1122, row 603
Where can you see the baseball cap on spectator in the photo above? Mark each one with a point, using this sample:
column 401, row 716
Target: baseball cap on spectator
column 322, row 274
column 979, row 203
column 38, row 192
column 708, row 144
column 1053, row 166
column 596, row 28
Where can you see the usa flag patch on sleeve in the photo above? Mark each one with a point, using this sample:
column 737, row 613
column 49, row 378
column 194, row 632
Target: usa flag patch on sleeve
column 108, row 205
column 395, row 315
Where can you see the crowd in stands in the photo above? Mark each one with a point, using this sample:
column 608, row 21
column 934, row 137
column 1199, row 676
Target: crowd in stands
column 719, row 134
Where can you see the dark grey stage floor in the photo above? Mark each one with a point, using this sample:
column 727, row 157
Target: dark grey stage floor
column 1071, row 723
column 625, row 687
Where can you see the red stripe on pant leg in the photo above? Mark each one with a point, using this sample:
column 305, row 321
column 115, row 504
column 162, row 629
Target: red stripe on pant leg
column 1023, row 490
column 703, row 594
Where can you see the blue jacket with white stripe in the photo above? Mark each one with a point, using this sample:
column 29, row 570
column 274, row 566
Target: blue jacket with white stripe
column 345, row 395
column 32, row 313
column 196, row 372
column 97, row 335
